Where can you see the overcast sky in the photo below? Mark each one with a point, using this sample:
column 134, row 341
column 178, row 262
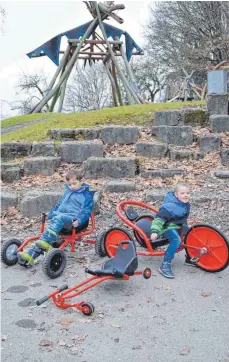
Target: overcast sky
column 28, row 24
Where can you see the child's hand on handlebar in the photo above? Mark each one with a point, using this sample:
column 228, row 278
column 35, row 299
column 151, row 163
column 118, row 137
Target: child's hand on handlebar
column 75, row 223
column 153, row 236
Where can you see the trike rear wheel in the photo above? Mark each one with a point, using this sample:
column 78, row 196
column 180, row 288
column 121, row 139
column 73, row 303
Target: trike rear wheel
column 215, row 244
column 99, row 244
column 113, row 238
column 9, row 251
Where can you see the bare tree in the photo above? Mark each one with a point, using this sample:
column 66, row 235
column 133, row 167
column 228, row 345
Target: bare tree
column 188, row 34
column 89, row 89
column 32, row 86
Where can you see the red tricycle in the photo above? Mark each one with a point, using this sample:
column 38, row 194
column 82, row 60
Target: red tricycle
column 55, row 259
column 206, row 246
column 121, row 267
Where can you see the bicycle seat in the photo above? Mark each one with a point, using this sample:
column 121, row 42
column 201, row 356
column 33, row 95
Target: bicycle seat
column 78, row 229
column 145, row 225
column 131, row 214
column 124, row 262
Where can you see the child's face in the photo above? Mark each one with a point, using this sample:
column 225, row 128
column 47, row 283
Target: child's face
column 73, row 183
column 183, row 194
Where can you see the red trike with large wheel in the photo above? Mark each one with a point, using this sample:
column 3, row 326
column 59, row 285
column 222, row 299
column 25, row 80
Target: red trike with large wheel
column 55, row 259
column 206, row 246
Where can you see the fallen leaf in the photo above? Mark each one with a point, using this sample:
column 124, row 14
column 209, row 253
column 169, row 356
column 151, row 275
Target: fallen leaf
column 115, row 325
column 79, row 338
column 61, row 343
column 206, row 294
column 4, row 338
column 3, row 222
column 65, row 321
column 46, row 343
column 116, row 340
column 185, row 351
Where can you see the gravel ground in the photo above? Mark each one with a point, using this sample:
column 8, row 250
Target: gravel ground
column 185, row 319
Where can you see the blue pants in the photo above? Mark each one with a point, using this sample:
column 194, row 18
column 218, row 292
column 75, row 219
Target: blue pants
column 173, row 236
column 54, row 227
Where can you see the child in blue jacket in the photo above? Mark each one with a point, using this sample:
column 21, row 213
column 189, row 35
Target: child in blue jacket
column 74, row 208
column 169, row 222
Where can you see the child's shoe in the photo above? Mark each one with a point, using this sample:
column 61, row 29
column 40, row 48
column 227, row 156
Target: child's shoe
column 189, row 262
column 166, row 270
column 24, row 259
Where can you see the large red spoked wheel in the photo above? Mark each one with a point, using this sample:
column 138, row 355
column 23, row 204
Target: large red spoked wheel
column 212, row 242
column 113, row 238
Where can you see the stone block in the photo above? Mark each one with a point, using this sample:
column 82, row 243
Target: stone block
column 45, row 165
column 156, row 195
column 97, row 200
column 179, row 135
column 8, row 199
column 78, row 152
column 209, row 143
column 74, row 133
column 43, row 148
column 110, row 167
column 217, row 104
column 119, row 186
column 15, row 149
column 150, row 149
column 163, row 173
column 6, row 165
column 170, row 118
column 219, row 123
column 120, row 134
column 36, row 202
column 11, row 174
column 225, row 156
column 177, row 155
column 222, row 174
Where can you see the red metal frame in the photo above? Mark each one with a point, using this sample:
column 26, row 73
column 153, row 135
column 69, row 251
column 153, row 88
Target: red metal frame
column 68, row 239
column 120, row 209
column 59, row 298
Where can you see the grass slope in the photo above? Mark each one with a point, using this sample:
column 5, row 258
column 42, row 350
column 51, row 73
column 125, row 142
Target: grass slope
column 138, row 114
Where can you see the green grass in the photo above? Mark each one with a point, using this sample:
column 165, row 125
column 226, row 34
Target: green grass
column 137, row 114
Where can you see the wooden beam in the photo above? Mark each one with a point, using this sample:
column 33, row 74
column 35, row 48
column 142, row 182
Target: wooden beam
column 91, row 41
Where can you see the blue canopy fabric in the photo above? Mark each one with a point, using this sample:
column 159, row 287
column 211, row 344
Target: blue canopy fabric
column 52, row 47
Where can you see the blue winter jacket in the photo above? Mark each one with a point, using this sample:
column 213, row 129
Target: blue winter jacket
column 173, row 214
column 77, row 204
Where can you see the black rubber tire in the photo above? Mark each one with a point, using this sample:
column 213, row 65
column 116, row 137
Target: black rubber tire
column 225, row 240
column 90, row 307
column 5, row 246
column 99, row 244
column 56, row 257
column 112, row 229
column 147, row 273
column 139, row 239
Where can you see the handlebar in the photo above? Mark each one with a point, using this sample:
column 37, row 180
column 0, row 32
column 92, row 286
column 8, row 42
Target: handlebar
column 44, row 299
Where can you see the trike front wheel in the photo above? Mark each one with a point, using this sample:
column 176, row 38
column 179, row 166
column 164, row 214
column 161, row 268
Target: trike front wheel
column 9, row 251
column 209, row 246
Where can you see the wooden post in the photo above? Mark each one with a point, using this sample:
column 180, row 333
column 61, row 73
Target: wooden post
column 68, row 68
column 114, row 90
column 61, row 65
column 116, row 83
column 131, row 95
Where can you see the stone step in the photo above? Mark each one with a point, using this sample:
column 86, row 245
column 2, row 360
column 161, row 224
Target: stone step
column 225, row 156
column 193, row 117
column 78, row 152
column 179, row 135
column 150, row 149
column 169, row 118
column 219, row 123
column 196, row 196
column 176, row 155
column 222, row 174
column 163, row 173
column 120, row 135
column 8, row 199
column 47, row 166
column 116, row 168
column 209, row 143
column 119, row 186
column 44, row 149
column 74, row 133
column 217, row 104
column 12, row 150
column 36, row 202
